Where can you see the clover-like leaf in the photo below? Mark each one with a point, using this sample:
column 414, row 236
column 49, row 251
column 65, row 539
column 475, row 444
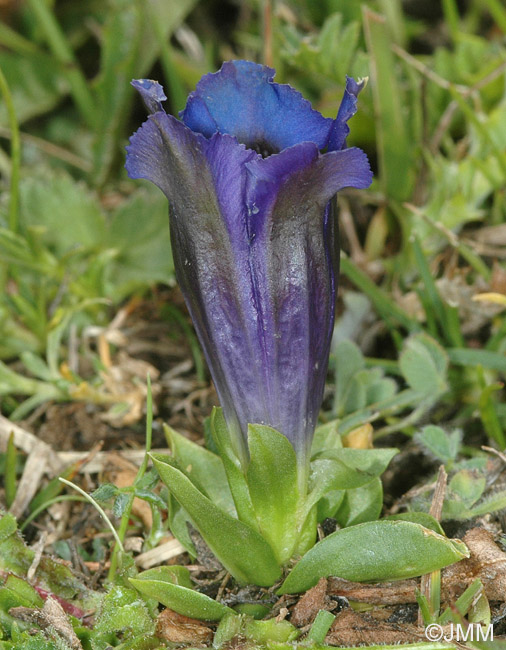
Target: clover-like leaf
column 424, row 364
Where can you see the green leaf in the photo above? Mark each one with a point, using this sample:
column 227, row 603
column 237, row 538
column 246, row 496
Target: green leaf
column 424, row 363
column 360, row 505
column 123, row 610
column 351, row 468
column 233, row 468
column 373, row 552
column 172, row 587
column 273, row 486
column 259, row 633
column 174, row 574
column 203, row 468
column 329, row 504
column 471, row 357
column 491, row 504
column 433, row 302
column 326, row 436
column 241, row 550
column 442, row 445
column 105, row 492
column 422, row 518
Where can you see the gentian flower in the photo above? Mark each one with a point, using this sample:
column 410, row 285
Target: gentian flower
column 249, row 173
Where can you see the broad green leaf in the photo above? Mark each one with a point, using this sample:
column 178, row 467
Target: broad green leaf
column 351, row 468
column 203, row 468
column 170, row 591
column 375, row 551
column 241, row 550
column 233, row 468
column 273, row 486
column 424, row 364
column 360, row 505
column 422, row 518
column 444, row 446
column 356, row 395
column 329, row 504
column 381, row 390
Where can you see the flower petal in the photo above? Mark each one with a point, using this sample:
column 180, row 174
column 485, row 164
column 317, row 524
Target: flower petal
column 293, row 264
column 151, row 92
column 242, row 100
column 340, row 129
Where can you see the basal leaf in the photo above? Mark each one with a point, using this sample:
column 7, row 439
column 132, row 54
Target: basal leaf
column 373, row 552
column 351, row 468
column 360, row 505
column 203, row 468
column 273, row 487
column 182, row 600
column 241, row 550
column 422, row 518
column 233, row 468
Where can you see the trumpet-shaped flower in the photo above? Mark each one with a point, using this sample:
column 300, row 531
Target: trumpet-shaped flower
column 249, row 173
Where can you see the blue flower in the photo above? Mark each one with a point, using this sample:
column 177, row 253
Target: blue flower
column 249, row 173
